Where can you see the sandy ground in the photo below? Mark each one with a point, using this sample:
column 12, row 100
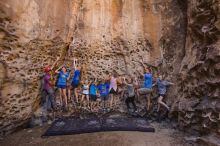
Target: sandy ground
column 164, row 136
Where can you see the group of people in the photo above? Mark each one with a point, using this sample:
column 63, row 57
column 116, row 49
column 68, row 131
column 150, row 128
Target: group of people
column 99, row 94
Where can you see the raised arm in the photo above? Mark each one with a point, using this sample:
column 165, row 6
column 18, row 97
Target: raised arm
column 74, row 63
column 136, row 82
column 55, row 63
column 141, row 74
column 124, row 81
column 57, row 71
column 119, row 80
column 95, row 82
column 170, row 83
column 71, row 72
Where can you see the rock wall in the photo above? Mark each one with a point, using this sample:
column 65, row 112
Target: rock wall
column 105, row 36
column 196, row 96
column 109, row 36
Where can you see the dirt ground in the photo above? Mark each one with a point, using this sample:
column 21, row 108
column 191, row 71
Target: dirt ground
column 164, row 136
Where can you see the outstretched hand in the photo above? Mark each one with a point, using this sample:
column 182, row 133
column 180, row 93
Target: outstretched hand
column 58, row 58
column 75, row 60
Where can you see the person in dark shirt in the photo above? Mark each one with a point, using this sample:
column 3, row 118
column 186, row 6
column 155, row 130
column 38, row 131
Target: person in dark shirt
column 162, row 89
column 48, row 87
column 131, row 93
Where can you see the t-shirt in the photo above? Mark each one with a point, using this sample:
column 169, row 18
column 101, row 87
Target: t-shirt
column 76, row 77
column 113, row 83
column 107, row 86
column 47, row 85
column 92, row 89
column 148, row 80
column 62, row 78
column 85, row 89
column 102, row 89
column 130, row 90
column 162, row 86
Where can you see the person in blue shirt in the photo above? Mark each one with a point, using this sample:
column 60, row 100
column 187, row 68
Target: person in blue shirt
column 93, row 94
column 102, row 88
column 63, row 76
column 76, row 75
column 162, row 89
column 147, row 86
column 107, row 86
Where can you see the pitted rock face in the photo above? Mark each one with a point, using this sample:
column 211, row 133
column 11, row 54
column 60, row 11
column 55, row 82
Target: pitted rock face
column 101, row 59
column 180, row 39
column 105, row 36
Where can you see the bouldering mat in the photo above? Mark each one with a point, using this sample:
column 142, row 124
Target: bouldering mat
column 70, row 126
column 126, row 124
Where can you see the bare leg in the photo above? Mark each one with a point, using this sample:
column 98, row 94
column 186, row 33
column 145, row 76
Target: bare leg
column 148, row 103
column 122, row 94
column 138, row 95
column 61, row 101
column 76, row 95
column 103, row 103
column 116, row 98
column 65, row 96
column 158, row 107
column 69, row 94
column 107, row 104
column 82, row 99
column 91, row 105
column 162, row 103
column 87, row 100
column 111, row 101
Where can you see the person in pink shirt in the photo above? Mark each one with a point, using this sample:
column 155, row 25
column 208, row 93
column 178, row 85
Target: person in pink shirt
column 113, row 88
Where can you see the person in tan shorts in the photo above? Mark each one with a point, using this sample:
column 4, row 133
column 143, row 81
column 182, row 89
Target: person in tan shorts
column 147, row 87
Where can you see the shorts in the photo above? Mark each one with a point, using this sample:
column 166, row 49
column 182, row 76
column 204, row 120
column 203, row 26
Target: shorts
column 61, row 86
column 104, row 97
column 93, row 97
column 112, row 91
column 85, row 92
column 68, row 84
column 163, row 95
column 49, row 91
column 74, row 85
column 145, row 90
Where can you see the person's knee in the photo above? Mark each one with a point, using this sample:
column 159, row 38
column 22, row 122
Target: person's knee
column 160, row 101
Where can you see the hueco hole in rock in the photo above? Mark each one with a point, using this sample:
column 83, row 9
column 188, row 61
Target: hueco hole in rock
column 109, row 72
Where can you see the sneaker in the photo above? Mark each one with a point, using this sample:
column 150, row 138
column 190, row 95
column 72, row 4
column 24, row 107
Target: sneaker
column 65, row 109
column 104, row 110
column 108, row 109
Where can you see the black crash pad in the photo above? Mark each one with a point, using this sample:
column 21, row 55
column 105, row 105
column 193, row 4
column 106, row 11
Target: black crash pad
column 70, row 126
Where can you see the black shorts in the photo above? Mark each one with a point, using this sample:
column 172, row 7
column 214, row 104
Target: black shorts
column 104, row 97
column 75, row 85
column 163, row 95
column 92, row 97
column 61, row 86
column 112, row 91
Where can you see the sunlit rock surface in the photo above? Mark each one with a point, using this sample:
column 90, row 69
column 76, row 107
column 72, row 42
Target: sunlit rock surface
column 179, row 38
